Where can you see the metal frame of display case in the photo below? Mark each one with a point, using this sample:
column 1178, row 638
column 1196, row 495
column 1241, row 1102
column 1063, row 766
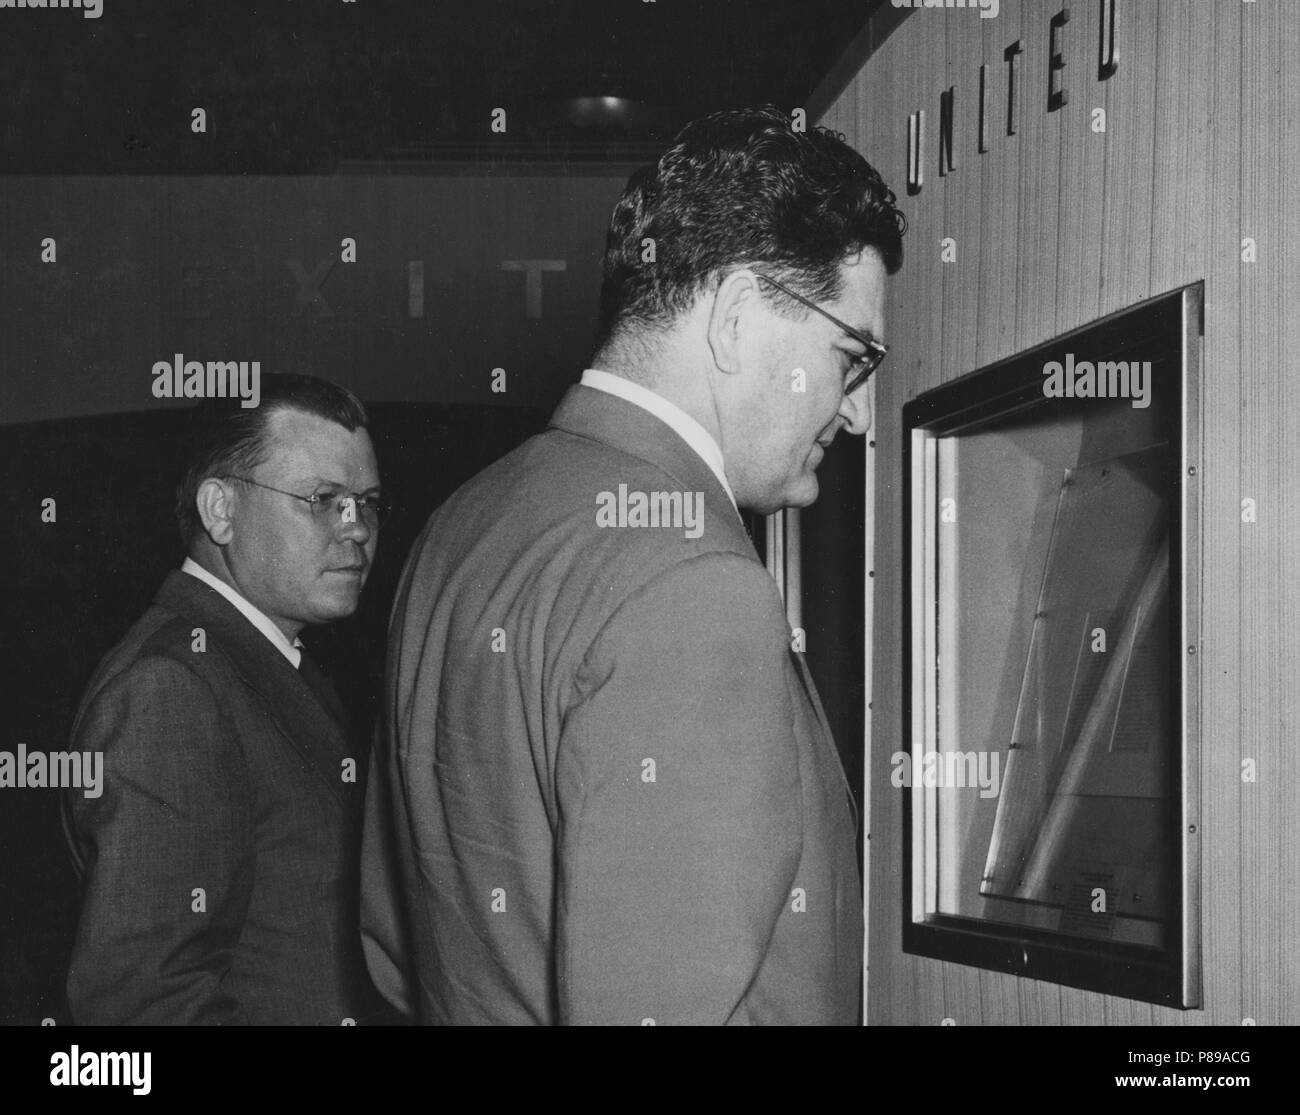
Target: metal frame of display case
column 1172, row 976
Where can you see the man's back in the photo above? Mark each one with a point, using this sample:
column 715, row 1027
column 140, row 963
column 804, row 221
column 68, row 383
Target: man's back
column 615, row 794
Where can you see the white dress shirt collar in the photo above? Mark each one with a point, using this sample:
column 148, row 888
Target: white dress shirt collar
column 257, row 618
column 681, row 423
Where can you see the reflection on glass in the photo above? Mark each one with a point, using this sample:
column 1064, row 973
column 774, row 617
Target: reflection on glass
column 1052, row 719
column 1085, row 791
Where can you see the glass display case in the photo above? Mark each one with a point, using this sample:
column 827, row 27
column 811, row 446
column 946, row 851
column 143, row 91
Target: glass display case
column 1051, row 696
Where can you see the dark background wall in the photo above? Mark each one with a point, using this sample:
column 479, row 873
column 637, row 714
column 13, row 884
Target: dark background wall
column 250, row 268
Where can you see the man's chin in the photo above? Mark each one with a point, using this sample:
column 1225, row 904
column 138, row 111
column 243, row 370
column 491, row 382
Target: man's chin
column 338, row 604
column 804, row 494
column 806, row 491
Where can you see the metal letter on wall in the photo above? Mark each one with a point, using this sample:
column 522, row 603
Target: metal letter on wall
column 1107, row 59
column 947, row 110
column 915, row 152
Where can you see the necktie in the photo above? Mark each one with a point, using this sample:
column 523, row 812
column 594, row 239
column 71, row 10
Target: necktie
column 321, row 685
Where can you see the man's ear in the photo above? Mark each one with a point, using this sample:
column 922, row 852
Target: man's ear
column 736, row 298
column 215, row 504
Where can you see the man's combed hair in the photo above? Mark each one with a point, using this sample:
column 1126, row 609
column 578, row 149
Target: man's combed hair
column 738, row 188
column 229, row 440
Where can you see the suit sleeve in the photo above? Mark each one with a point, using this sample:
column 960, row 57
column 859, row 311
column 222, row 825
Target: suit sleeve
column 166, row 850
column 677, row 779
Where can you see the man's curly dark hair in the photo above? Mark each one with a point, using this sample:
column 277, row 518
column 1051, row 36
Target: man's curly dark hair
column 738, row 188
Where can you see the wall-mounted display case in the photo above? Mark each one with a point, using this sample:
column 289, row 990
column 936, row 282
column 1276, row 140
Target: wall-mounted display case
column 1051, row 703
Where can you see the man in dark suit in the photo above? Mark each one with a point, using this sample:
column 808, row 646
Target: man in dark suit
column 219, row 864
column 607, row 792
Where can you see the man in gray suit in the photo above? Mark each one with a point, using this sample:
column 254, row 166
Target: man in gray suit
column 607, row 792
column 219, row 863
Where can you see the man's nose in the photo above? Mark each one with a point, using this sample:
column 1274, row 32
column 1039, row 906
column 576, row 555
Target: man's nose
column 352, row 524
column 856, row 409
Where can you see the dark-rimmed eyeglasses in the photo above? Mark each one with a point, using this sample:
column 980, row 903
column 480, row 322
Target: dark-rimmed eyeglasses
column 371, row 510
column 862, row 366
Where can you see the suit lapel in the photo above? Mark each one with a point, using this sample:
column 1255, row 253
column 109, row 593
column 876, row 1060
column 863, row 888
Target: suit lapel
column 306, row 716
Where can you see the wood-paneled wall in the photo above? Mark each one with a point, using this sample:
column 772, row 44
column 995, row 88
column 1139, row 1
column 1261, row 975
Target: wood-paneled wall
column 1056, row 226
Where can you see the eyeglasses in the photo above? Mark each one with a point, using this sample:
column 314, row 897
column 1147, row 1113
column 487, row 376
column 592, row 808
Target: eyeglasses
column 862, row 366
column 372, row 510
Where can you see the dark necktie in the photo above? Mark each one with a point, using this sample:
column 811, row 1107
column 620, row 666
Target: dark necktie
column 321, row 685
